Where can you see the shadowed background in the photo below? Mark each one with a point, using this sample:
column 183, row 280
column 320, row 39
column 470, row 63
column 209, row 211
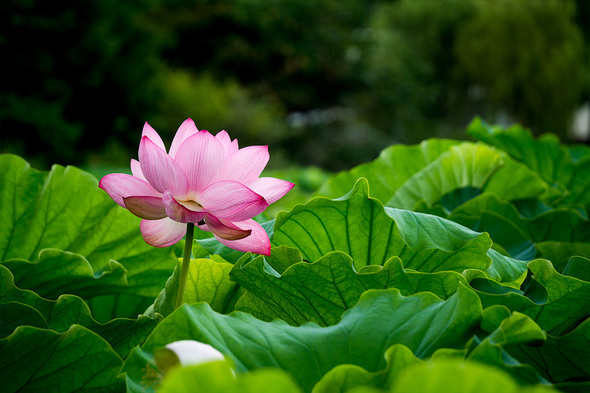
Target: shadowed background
column 327, row 83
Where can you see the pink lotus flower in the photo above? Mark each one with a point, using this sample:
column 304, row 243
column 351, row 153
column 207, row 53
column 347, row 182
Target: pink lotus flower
column 203, row 179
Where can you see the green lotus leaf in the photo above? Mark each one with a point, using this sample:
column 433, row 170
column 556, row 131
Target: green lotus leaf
column 208, row 281
column 321, row 291
column 481, row 215
column 394, row 166
column 578, row 267
column 427, row 231
column 13, row 315
column 459, row 376
column 470, row 165
column 38, row 360
column 506, row 330
column 523, row 230
column 282, row 257
column 24, row 307
column 64, row 209
column 463, row 165
column 560, row 359
column 165, row 303
column 557, row 303
column 512, row 346
column 218, row 377
column 380, row 319
column 559, row 253
column 371, row 234
column 545, row 155
column 404, row 175
column 345, row 377
column 512, row 329
column 57, row 272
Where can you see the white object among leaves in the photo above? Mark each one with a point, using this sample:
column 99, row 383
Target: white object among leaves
column 191, row 352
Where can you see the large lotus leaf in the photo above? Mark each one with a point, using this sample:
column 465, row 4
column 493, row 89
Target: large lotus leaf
column 515, row 329
column 371, row 234
column 394, row 166
column 560, row 359
column 508, row 330
column 10, row 293
column 578, row 267
column 451, row 375
column 404, row 175
column 561, row 225
column 499, row 329
column 13, row 315
column 208, row 281
column 40, row 360
column 282, row 257
column 544, row 155
column 57, row 272
column 503, row 232
column 321, row 291
column 559, row 253
column 555, row 359
column 64, row 209
column 557, row 304
column 487, row 213
column 380, row 319
column 461, row 166
column 469, row 165
column 218, row 377
column 578, row 152
column 579, row 185
column 558, row 224
column 426, row 231
column 516, row 232
column 345, row 377
column 23, row 307
column 165, row 303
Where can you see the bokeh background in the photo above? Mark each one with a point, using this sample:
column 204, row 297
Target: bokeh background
column 326, row 83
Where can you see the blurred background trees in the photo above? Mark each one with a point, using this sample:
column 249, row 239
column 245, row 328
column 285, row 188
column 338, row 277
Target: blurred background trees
column 327, row 83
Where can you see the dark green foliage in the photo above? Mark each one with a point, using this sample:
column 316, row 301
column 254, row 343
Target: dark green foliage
column 527, row 58
column 75, row 75
column 326, row 83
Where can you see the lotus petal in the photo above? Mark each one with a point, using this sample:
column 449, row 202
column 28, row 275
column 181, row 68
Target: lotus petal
column 225, row 230
column 258, row 241
column 270, row 188
column 229, row 146
column 186, row 129
column 233, row 201
column 180, row 213
column 162, row 233
column 152, row 135
column 121, row 185
column 136, row 169
column 160, row 170
column 201, row 157
column 246, row 164
column 146, row 207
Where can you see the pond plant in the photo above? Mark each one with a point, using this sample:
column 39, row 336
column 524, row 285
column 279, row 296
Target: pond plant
column 455, row 266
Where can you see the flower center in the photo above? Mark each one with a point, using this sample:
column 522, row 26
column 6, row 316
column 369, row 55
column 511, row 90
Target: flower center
column 192, row 205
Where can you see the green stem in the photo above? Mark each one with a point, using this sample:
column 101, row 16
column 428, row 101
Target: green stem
column 186, row 260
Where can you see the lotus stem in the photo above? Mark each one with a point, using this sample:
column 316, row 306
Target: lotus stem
column 186, row 260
